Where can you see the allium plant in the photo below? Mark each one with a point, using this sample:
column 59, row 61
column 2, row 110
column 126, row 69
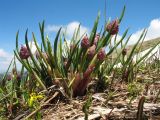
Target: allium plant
column 72, row 66
column 77, row 67
column 122, row 59
column 12, row 90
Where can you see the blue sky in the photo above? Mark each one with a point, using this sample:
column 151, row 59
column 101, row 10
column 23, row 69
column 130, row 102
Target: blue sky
column 22, row 14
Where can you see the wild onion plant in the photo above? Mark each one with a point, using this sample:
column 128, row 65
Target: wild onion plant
column 11, row 90
column 17, row 92
column 74, row 66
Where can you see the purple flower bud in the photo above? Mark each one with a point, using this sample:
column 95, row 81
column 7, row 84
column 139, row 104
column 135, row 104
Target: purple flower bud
column 125, row 75
column 43, row 53
column 101, row 54
column 65, row 62
column 72, row 46
column 37, row 54
column 14, row 71
column 9, row 77
column 124, row 51
column 113, row 27
column 88, row 72
column 91, row 52
column 85, row 42
column 24, row 53
column 96, row 39
column 18, row 76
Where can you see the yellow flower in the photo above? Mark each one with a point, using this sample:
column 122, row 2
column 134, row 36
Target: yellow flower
column 33, row 99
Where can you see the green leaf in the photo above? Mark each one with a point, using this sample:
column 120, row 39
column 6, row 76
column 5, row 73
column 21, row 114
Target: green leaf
column 31, row 55
column 39, row 80
column 144, row 56
column 103, row 42
column 72, row 54
column 94, row 30
column 118, row 56
column 139, row 46
column 78, row 32
column 42, row 35
column 115, row 46
column 17, row 41
column 86, row 106
column 122, row 14
column 50, row 53
column 5, row 75
column 39, row 51
column 134, row 47
column 55, row 48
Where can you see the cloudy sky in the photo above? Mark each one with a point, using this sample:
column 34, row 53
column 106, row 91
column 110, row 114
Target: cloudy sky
column 22, row 14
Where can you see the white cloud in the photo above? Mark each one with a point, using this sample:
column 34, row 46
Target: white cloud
column 52, row 28
column 153, row 32
column 154, row 29
column 2, row 53
column 74, row 25
column 5, row 59
column 70, row 28
column 135, row 36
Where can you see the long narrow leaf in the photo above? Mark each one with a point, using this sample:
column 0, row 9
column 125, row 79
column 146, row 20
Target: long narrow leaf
column 144, row 56
column 122, row 14
column 93, row 32
column 31, row 55
column 134, row 47
column 55, row 48
column 41, row 26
